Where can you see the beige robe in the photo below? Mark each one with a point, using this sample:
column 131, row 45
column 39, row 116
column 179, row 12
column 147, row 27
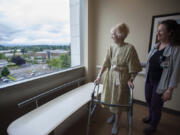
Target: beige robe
column 115, row 87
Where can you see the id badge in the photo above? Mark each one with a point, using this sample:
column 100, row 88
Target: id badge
column 165, row 64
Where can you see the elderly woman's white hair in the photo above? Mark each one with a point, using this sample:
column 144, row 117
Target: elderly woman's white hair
column 121, row 28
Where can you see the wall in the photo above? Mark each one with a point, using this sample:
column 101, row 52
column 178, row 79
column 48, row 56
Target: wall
column 138, row 15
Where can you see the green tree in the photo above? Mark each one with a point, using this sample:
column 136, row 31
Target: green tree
column 2, row 56
column 26, row 56
column 65, row 61
column 23, row 51
column 56, row 62
column 18, row 60
column 5, row 71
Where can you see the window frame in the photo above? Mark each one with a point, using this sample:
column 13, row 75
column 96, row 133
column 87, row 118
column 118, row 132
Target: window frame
column 83, row 13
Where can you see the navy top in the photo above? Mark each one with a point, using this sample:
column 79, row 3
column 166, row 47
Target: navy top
column 155, row 70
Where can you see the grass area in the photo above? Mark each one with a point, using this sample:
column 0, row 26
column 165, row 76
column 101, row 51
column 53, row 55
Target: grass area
column 13, row 66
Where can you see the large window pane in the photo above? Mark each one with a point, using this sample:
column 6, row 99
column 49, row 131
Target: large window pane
column 36, row 38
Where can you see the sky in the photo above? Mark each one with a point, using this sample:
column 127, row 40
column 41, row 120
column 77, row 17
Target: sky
column 34, row 22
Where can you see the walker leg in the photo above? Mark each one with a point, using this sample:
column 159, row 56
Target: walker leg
column 130, row 121
column 89, row 118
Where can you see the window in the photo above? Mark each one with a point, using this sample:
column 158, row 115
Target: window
column 38, row 37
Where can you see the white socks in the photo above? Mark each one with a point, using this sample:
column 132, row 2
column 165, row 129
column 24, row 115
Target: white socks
column 115, row 127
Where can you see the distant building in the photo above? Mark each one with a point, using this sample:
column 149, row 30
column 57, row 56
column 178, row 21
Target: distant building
column 57, row 53
column 42, row 55
column 5, row 51
column 31, row 54
column 47, row 54
column 18, row 50
column 19, row 53
column 9, row 54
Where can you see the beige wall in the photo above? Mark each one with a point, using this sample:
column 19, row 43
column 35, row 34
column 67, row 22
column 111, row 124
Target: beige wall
column 103, row 14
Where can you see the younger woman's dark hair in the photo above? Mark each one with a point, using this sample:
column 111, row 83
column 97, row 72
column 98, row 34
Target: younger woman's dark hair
column 174, row 29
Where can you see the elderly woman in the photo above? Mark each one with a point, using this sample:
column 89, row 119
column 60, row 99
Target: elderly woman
column 162, row 72
column 123, row 64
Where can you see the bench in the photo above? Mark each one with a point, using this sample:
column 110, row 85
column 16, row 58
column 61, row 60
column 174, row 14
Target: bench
column 44, row 119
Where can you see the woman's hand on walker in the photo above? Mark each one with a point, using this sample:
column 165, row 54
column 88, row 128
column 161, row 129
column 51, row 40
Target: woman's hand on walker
column 131, row 84
column 97, row 81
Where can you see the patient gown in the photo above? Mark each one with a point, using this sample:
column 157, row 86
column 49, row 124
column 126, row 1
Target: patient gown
column 115, row 87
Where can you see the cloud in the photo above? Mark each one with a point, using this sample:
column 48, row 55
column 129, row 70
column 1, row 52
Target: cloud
column 6, row 32
column 33, row 22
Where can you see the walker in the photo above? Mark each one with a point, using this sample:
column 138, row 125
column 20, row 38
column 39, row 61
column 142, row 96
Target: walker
column 94, row 101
